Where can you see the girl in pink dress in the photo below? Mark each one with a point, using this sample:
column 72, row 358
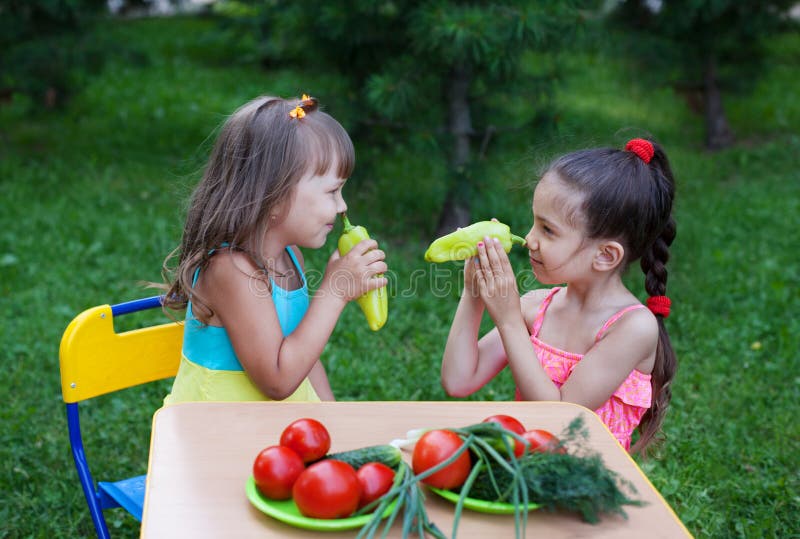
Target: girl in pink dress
column 591, row 342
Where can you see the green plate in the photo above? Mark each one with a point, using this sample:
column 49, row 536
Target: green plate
column 481, row 506
column 287, row 511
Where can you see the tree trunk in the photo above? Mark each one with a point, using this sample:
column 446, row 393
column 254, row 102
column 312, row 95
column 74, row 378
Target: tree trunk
column 455, row 212
column 718, row 132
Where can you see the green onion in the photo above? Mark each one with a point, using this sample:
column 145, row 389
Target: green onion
column 410, row 499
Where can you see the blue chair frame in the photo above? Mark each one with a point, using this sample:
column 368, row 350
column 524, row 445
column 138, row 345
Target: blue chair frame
column 95, row 360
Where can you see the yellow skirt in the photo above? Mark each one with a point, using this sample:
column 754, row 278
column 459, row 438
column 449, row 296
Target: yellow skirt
column 196, row 383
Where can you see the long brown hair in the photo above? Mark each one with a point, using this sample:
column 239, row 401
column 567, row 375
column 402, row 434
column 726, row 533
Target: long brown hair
column 631, row 201
column 259, row 156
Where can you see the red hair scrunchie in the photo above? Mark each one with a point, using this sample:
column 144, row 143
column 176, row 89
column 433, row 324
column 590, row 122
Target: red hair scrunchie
column 641, row 147
column 659, row 305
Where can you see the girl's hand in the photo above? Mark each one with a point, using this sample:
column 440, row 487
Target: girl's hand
column 353, row 275
column 496, row 282
column 471, row 277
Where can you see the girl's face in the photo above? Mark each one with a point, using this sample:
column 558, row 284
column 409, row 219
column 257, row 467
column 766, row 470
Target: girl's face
column 558, row 250
column 315, row 203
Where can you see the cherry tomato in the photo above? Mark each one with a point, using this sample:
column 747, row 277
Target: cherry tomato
column 542, row 441
column 376, row 479
column 308, row 438
column 507, row 422
column 434, row 447
column 275, row 470
column 512, row 424
column 327, row 489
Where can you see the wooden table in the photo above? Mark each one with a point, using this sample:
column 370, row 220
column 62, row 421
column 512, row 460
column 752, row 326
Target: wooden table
column 201, row 455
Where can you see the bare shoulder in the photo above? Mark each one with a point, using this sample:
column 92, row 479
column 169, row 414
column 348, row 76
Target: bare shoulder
column 534, row 298
column 228, row 278
column 530, row 302
column 640, row 322
column 630, row 343
column 638, row 328
column 228, row 266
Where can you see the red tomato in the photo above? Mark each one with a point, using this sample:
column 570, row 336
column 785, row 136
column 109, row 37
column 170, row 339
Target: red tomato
column 542, row 441
column 275, row 470
column 327, row 489
column 308, row 438
column 512, row 424
column 507, row 422
column 434, row 447
column 376, row 479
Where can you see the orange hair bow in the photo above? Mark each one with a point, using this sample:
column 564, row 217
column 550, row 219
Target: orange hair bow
column 299, row 111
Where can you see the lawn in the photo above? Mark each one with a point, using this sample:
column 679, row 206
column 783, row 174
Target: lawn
column 93, row 197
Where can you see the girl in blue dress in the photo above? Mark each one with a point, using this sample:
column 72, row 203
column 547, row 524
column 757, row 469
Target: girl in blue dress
column 273, row 183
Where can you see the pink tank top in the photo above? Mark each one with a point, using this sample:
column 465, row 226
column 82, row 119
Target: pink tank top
column 624, row 410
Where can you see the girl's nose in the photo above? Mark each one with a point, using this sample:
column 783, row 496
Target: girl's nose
column 342, row 206
column 530, row 240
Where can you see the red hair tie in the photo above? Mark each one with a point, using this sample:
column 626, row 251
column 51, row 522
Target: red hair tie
column 641, row 147
column 659, row 305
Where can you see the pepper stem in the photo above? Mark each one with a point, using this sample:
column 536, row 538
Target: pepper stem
column 347, row 226
column 517, row 240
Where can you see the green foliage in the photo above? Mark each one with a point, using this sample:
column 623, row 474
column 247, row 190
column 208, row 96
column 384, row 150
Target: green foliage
column 490, row 37
column 707, row 48
column 37, row 18
column 45, row 52
column 685, row 33
column 401, row 52
column 93, row 198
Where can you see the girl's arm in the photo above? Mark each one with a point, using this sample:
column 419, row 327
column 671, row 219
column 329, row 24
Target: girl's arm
column 242, row 302
column 629, row 344
column 497, row 286
column 603, row 368
column 319, row 379
column 468, row 363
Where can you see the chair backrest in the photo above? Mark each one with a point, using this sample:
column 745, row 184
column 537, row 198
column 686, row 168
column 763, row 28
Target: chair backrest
column 96, row 360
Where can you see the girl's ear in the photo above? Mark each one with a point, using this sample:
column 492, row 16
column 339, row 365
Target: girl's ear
column 609, row 256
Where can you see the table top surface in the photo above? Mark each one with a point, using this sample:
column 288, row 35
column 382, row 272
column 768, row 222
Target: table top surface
column 201, row 455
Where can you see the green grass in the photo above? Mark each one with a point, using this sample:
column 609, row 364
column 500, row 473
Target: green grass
column 93, row 197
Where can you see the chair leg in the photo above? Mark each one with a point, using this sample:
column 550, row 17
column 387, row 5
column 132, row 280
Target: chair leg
column 85, row 476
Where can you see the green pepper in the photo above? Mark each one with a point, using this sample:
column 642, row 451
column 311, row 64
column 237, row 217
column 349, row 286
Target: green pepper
column 462, row 243
column 375, row 303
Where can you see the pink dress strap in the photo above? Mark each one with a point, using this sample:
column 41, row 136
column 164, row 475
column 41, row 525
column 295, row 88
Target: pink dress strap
column 614, row 318
column 539, row 319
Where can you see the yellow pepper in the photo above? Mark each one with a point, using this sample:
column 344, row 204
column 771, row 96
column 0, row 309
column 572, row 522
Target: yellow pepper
column 462, row 243
column 375, row 303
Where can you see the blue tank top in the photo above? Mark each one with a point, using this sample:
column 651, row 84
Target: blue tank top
column 210, row 346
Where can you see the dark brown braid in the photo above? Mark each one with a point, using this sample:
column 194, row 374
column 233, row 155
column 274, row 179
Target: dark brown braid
column 654, row 267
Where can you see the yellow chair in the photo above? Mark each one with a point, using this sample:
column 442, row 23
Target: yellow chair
column 96, row 360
